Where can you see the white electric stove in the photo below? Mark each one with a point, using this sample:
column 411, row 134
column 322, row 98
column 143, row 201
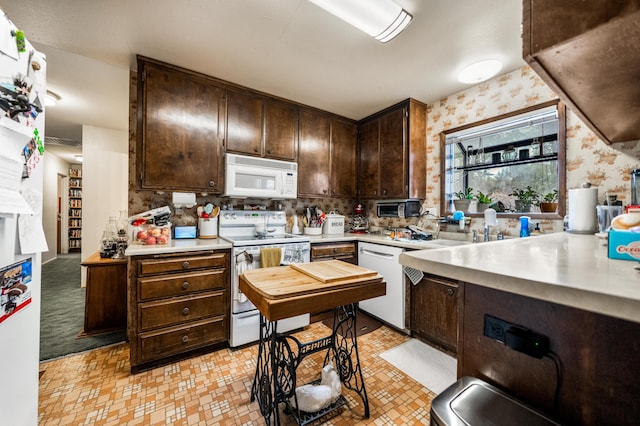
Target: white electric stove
column 239, row 228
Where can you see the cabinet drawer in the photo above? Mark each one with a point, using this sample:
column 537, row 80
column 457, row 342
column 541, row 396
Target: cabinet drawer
column 182, row 264
column 179, row 310
column 180, row 284
column 162, row 343
column 333, row 250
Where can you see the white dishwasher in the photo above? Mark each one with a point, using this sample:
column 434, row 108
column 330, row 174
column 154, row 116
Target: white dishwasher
column 384, row 260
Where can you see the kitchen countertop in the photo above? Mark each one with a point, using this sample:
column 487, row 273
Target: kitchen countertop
column 177, row 246
column 563, row 268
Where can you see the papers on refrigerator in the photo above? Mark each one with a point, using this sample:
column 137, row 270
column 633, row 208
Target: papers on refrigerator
column 11, row 201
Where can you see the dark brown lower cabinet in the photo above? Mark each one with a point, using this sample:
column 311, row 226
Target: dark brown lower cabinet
column 597, row 355
column 178, row 305
column 346, row 251
column 434, row 316
column 105, row 306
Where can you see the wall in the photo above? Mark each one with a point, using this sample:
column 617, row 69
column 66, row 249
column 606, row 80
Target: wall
column 104, row 194
column 588, row 158
column 53, row 166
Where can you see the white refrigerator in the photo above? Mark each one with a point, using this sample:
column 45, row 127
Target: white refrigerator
column 22, row 90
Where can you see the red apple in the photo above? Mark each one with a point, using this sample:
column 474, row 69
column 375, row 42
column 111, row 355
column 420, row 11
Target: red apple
column 150, row 241
column 155, row 232
column 142, row 235
column 162, row 239
column 166, row 231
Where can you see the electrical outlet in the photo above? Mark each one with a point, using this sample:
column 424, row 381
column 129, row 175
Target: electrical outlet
column 516, row 337
column 495, row 328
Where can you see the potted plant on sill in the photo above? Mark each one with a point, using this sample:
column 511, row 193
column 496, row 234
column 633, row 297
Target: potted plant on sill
column 484, row 201
column 525, row 199
column 549, row 202
column 464, row 199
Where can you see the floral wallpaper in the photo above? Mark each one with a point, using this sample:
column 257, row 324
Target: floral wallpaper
column 607, row 167
column 588, row 158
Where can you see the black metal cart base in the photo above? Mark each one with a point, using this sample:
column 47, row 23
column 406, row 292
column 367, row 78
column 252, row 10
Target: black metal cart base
column 279, row 356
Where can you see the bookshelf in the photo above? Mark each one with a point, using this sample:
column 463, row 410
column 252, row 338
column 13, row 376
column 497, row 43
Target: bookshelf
column 75, row 209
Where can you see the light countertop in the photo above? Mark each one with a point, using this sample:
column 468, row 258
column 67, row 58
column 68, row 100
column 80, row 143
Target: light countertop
column 177, row 246
column 568, row 269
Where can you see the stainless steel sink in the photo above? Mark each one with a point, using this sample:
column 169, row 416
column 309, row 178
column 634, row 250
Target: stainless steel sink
column 433, row 243
column 447, row 243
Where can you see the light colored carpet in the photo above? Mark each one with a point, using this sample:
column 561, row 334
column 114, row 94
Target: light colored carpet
column 433, row 369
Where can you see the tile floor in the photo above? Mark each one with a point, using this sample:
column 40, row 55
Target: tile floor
column 97, row 388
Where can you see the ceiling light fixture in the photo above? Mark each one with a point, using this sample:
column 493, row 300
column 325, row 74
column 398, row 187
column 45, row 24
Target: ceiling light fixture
column 78, row 157
column 51, row 98
column 381, row 19
column 480, row 71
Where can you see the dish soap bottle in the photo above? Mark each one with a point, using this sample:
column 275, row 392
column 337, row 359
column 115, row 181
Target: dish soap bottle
column 294, row 228
column 524, row 226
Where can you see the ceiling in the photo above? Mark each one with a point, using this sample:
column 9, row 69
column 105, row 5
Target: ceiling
column 288, row 48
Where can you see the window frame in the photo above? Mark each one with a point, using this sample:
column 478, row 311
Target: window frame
column 562, row 164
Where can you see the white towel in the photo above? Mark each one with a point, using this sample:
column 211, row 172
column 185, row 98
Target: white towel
column 242, row 266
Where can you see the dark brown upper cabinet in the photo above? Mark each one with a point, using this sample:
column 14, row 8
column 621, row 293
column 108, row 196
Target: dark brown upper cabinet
column 587, row 53
column 261, row 127
column 327, row 155
column 179, row 118
column 392, row 152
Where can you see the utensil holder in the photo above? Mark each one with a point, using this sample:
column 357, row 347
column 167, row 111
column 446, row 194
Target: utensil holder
column 208, row 227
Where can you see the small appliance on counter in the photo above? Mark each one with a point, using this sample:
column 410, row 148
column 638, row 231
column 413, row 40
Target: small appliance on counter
column 399, row 208
column 359, row 224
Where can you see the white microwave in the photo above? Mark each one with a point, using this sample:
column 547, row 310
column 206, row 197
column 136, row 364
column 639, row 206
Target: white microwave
column 253, row 177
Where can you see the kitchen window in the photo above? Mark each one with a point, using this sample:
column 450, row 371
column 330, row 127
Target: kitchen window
column 500, row 161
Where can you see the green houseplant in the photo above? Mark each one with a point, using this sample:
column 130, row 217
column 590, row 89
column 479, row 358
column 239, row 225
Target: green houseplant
column 464, row 199
column 484, row 201
column 525, row 199
column 549, row 202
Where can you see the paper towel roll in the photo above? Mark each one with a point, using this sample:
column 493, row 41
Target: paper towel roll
column 183, row 199
column 582, row 210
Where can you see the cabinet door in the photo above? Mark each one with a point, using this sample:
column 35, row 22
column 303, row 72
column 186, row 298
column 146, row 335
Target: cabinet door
column 343, row 159
column 281, row 130
column 368, row 170
column 434, row 311
column 179, row 141
column 244, row 123
column 313, row 155
column 393, row 164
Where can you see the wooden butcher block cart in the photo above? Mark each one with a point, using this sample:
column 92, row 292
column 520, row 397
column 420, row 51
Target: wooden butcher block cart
column 285, row 291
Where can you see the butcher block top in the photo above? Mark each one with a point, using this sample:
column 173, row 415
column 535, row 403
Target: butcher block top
column 285, row 291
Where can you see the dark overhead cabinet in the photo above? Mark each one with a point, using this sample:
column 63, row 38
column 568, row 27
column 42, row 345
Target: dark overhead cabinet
column 587, row 52
column 327, row 155
column 392, row 152
column 179, row 130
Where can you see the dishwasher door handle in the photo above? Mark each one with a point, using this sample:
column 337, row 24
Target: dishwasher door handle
column 376, row 253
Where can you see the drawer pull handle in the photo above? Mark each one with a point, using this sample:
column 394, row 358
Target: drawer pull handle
column 185, row 285
column 450, row 291
column 185, row 264
column 185, row 338
column 185, row 311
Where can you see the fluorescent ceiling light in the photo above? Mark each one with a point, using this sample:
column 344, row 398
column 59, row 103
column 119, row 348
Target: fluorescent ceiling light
column 381, row 19
column 480, row 71
column 51, row 98
column 79, row 158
